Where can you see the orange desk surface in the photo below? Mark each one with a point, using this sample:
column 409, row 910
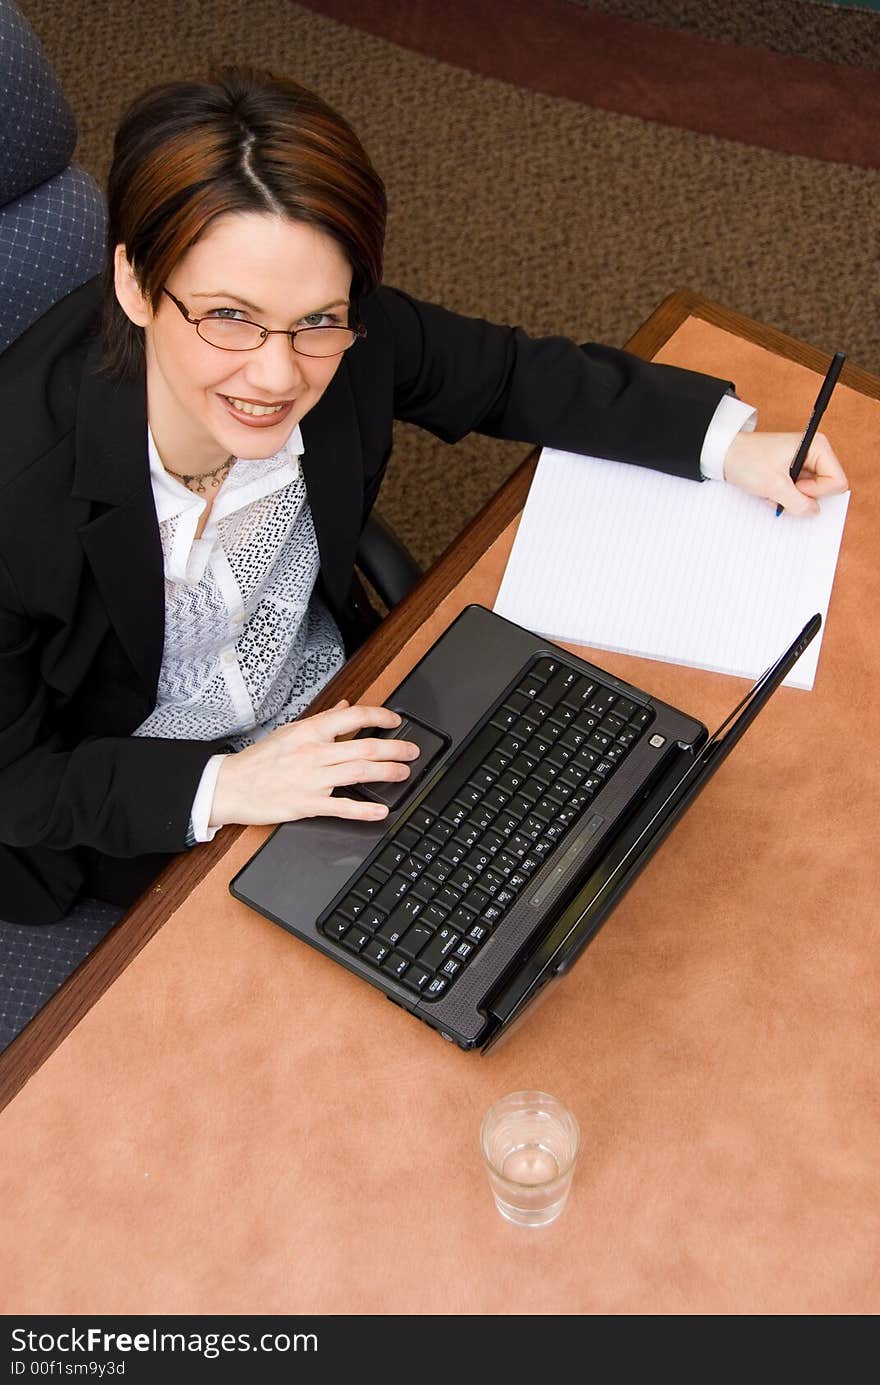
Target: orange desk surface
column 240, row 1126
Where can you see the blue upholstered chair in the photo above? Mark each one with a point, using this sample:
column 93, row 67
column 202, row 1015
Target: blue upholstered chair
column 51, row 212
column 52, row 227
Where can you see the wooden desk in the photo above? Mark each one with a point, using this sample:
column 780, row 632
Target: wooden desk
column 235, row 1125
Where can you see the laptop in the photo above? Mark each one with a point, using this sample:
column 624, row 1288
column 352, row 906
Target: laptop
column 543, row 786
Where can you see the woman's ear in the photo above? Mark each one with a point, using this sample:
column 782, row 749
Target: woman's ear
column 128, row 290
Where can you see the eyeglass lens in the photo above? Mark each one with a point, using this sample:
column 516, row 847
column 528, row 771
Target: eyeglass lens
column 233, row 334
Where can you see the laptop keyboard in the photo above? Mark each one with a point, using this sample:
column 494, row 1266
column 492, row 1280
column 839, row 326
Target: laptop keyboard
column 423, row 907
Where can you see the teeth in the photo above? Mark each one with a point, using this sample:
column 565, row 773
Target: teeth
column 258, row 409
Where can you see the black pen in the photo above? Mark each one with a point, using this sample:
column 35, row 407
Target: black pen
column 819, row 408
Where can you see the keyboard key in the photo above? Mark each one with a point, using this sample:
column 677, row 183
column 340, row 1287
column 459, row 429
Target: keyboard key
column 454, row 853
column 463, row 878
column 396, row 924
column 510, row 746
column 391, row 893
column 368, row 887
column 423, row 890
column 611, row 724
column 511, row 779
column 478, row 859
column 517, row 702
column 505, row 864
column 495, row 799
column 438, row 871
column 435, row 987
column 461, row 918
column 599, row 741
column 371, row 919
column 518, row 845
column 414, row 940
column 389, row 859
column 477, row 899
column 531, row 686
column 464, row 950
column 411, row 868
column 451, row 967
column 447, row 898
column 421, row 820
column 391, row 933
column 624, row 709
column 433, row 916
column 544, row 669
column 602, row 701
column 376, row 951
column 441, row 832
column 351, row 906
column 478, row 932
column 492, row 881
column 355, row 939
column 455, row 813
column 396, row 963
column 416, row 977
column 545, row 773
column 439, row 948
column 504, row 718
column 483, row 779
column 336, row 926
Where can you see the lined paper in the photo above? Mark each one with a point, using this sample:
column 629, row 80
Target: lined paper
column 627, row 559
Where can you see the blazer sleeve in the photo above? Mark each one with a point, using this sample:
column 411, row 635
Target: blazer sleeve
column 454, row 375
column 123, row 795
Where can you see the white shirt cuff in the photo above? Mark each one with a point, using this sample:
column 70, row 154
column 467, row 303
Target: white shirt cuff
column 204, row 799
column 732, row 416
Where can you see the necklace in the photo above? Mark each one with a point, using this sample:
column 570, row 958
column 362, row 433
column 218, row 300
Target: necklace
column 218, row 476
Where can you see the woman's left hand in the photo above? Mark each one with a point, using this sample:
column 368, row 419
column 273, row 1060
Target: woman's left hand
column 760, row 462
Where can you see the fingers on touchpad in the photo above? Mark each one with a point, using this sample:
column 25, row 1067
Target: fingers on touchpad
column 431, row 745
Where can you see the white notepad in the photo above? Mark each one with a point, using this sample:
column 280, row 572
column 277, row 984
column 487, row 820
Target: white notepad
column 623, row 558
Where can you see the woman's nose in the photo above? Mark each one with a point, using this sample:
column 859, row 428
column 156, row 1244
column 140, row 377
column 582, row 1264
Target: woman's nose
column 275, row 367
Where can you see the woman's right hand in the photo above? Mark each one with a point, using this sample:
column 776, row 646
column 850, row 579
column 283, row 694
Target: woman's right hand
column 292, row 772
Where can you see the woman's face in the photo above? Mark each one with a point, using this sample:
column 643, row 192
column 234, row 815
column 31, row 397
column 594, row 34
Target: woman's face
column 279, row 273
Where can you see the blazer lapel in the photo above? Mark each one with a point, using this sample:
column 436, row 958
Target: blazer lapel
column 333, row 471
column 121, row 540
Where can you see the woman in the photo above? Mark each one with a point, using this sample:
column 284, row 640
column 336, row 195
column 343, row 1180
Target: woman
column 191, row 450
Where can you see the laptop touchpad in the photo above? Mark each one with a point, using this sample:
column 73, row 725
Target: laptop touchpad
column 431, row 744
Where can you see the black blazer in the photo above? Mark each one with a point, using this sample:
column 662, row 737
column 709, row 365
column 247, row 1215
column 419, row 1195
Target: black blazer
column 85, row 807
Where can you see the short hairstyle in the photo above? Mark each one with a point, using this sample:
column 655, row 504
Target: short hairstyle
column 240, row 140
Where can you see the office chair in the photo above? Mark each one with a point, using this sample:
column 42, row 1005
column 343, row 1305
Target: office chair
column 52, row 228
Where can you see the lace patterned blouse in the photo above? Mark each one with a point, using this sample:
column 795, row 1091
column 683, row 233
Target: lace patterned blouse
column 248, row 643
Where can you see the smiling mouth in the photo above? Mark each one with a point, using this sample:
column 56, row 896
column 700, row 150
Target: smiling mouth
column 254, row 409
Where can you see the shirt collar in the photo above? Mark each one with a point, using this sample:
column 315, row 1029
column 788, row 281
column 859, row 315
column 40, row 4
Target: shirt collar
column 173, row 498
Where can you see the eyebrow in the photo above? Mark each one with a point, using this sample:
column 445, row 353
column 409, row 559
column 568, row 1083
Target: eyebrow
column 252, row 307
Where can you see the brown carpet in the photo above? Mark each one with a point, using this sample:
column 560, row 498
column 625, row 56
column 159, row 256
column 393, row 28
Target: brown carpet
column 515, row 204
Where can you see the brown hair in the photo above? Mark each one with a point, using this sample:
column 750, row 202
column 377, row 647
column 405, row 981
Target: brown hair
column 241, row 140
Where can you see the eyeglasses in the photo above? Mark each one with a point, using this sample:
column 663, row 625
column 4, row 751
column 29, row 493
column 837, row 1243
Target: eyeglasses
column 238, row 334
